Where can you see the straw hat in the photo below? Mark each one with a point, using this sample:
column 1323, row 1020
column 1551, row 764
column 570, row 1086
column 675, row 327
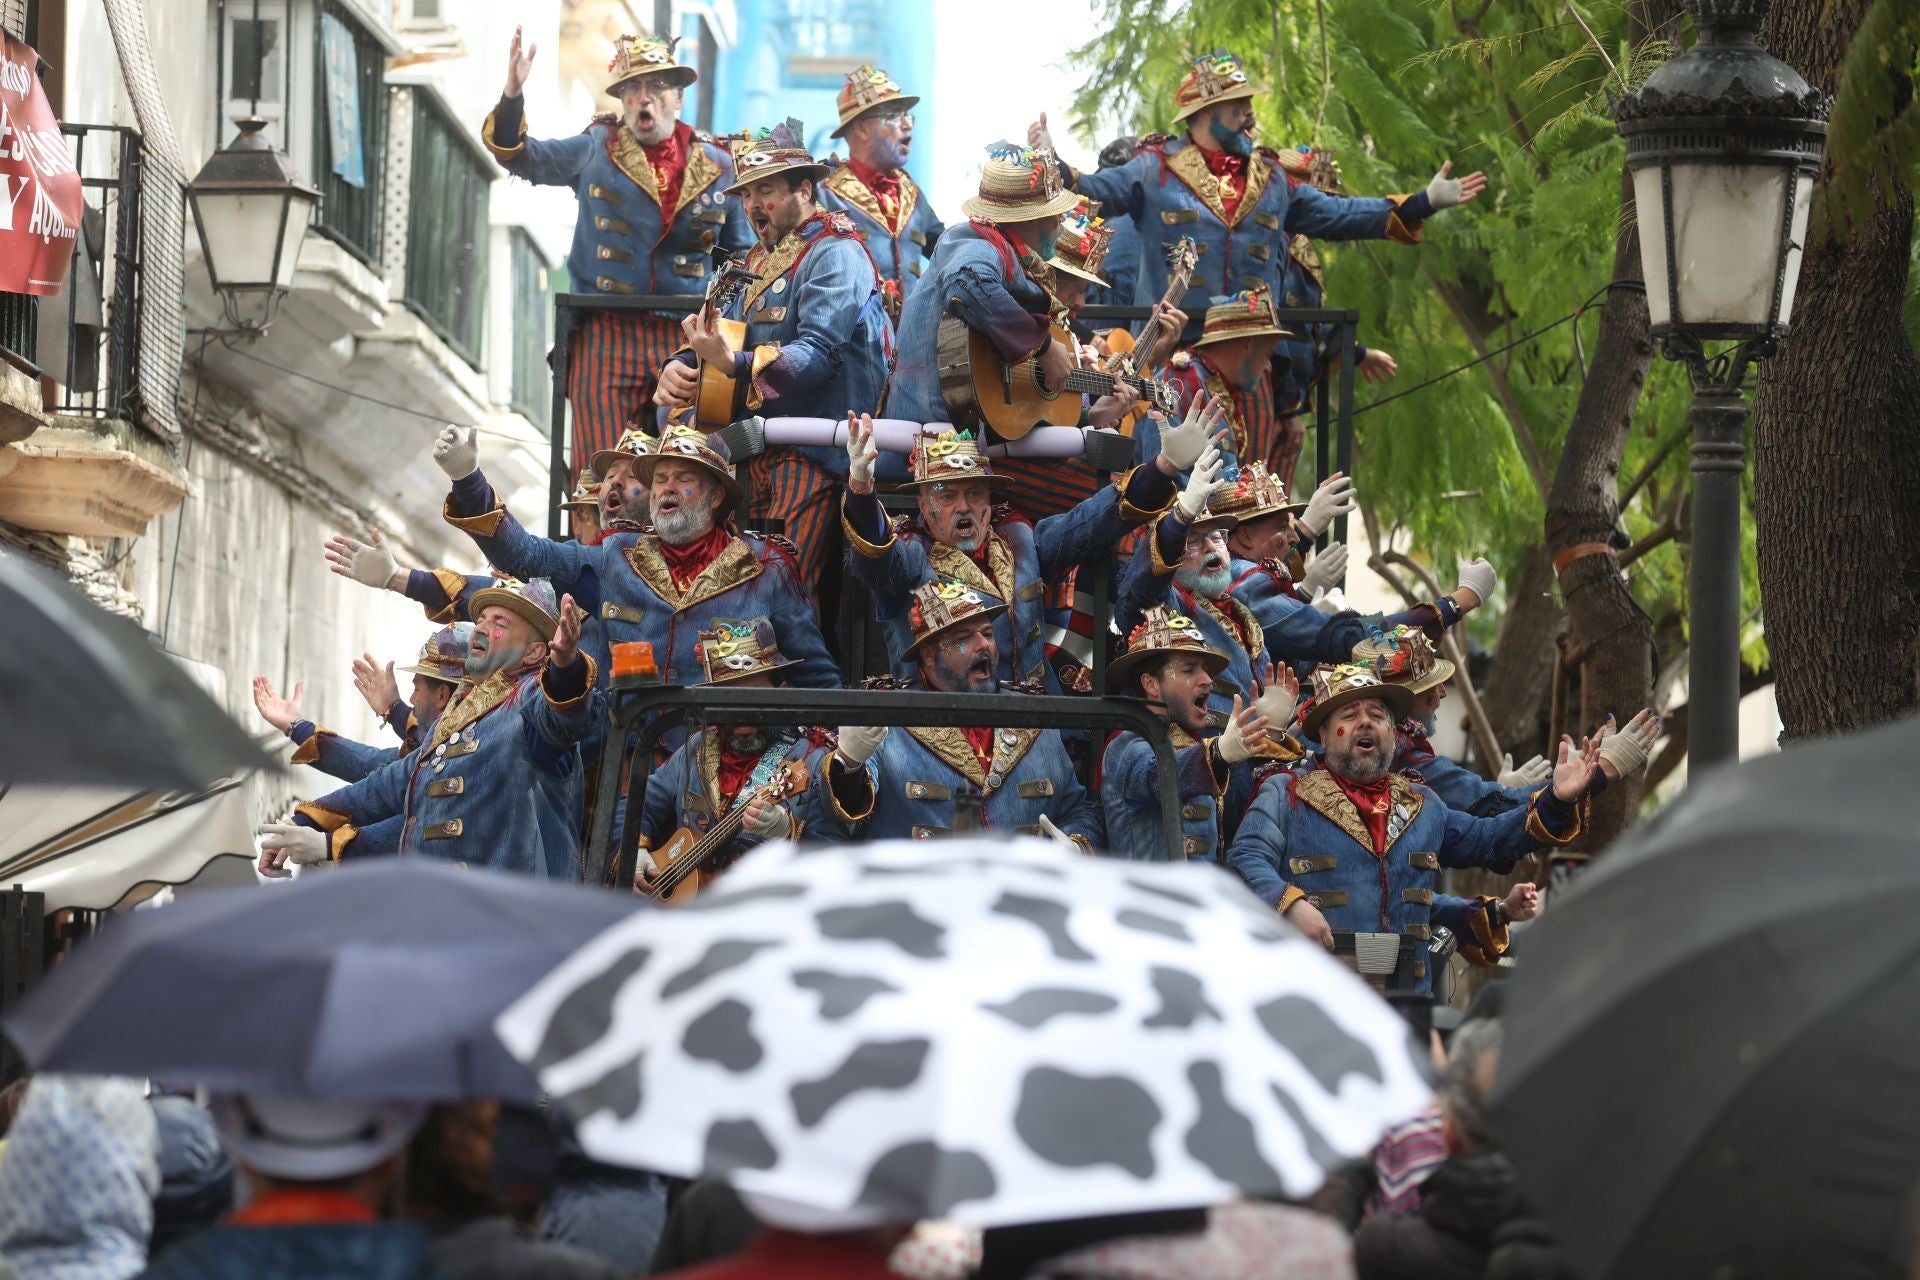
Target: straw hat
column 733, row 650
column 940, row 604
column 1247, row 314
column 1019, row 184
column 585, row 496
column 1335, row 686
column 1254, row 495
column 683, row 444
column 638, row 56
column 633, row 443
column 533, row 600
column 1215, row 77
column 1082, row 244
column 1162, row 634
column 865, row 89
column 444, row 656
column 946, row 457
column 781, row 149
column 1405, row 656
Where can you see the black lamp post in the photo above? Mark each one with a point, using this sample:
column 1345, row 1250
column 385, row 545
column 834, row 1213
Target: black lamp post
column 1723, row 143
column 252, row 211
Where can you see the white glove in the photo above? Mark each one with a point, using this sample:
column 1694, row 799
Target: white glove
column 774, row 823
column 1277, row 704
column 1333, row 498
column 1444, row 192
column 1477, row 576
column 1182, row 445
column 1331, row 601
column 1325, row 570
column 860, row 459
column 303, row 845
column 1531, row 774
column 368, row 563
column 1202, row 484
column 1056, row 835
column 457, row 450
column 1628, row 749
column 858, row 742
column 1233, row 746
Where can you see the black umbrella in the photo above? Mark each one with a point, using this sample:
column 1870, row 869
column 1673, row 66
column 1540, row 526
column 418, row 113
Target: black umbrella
column 1712, row 1058
column 371, row 981
column 86, row 697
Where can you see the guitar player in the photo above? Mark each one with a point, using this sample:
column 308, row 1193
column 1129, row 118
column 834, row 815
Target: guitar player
column 817, row 336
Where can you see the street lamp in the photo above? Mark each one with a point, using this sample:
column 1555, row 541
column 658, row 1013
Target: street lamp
column 1723, row 144
column 252, row 211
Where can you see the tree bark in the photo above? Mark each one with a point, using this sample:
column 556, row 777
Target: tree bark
column 1521, row 681
column 1836, row 464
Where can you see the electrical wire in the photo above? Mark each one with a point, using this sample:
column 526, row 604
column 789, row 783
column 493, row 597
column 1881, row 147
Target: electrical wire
column 1522, row 340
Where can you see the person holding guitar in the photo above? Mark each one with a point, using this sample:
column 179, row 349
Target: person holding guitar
column 816, row 342
column 728, row 788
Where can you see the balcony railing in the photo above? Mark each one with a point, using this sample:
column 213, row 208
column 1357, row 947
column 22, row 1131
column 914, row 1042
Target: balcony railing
column 99, row 369
column 447, row 229
column 350, row 215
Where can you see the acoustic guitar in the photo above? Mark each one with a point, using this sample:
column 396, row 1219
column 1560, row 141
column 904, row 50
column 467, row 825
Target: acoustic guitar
column 713, row 399
column 678, row 861
column 1010, row 398
column 1146, row 352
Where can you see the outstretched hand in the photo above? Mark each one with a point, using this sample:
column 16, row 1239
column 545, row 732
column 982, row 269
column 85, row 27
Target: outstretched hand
column 1038, row 134
column 862, row 452
column 1573, row 775
column 1181, row 446
column 368, row 563
column 1279, row 695
column 1246, row 732
column 275, row 710
column 564, row 649
column 375, row 683
column 519, row 64
column 1444, row 192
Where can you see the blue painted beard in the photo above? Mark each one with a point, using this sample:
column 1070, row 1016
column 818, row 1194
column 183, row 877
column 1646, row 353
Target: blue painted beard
column 1235, row 142
column 1211, row 585
column 482, row 665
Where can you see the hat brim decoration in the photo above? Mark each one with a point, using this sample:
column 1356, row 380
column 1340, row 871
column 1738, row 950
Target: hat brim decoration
column 603, row 459
column 1398, row 697
column 1014, row 186
column 992, row 610
column 899, row 102
column 744, row 178
column 543, row 622
column 676, row 76
column 1026, row 211
column 766, row 669
column 1442, row 672
column 446, row 675
column 1122, row 670
column 1079, row 273
column 704, row 459
column 1247, row 90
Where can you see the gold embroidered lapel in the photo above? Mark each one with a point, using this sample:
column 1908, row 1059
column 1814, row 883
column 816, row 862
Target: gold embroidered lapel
column 1190, row 166
column 846, row 184
column 1180, row 738
column 734, row 565
column 769, row 265
column 955, row 563
column 475, row 702
column 954, row 750
column 631, row 159
column 708, row 762
column 1407, row 803
column 909, row 201
column 1225, row 610
column 1217, row 388
column 702, row 171
column 1320, row 791
column 1010, row 746
column 1259, row 173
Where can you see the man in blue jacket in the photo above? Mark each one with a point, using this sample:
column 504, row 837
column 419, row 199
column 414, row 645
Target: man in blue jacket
column 653, row 206
column 817, row 336
column 873, row 188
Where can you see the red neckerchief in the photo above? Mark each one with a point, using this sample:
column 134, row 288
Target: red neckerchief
column 1008, row 248
column 668, row 159
column 1374, row 803
column 1224, row 164
column 688, row 562
column 981, row 740
column 735, row 769
column 298, row 1206
column 884, row 183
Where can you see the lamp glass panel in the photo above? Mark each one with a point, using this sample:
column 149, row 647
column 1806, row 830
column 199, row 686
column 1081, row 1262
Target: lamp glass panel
column 1651, row 215
column 299, row 213
column 1802, row 204
column 1726, row 241
column 242, row 232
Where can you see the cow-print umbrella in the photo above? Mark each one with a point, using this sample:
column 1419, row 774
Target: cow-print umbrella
column 992, row 1032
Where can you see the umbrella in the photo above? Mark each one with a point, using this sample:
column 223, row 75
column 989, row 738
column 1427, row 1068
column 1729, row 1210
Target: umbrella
column 87, row 698
column 979, row 1030
column 1713, row 1044
column 374, row 981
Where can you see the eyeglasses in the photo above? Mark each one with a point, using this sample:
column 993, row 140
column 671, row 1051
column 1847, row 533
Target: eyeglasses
column 895, row 119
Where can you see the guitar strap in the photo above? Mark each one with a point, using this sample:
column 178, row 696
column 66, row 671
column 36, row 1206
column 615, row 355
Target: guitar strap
column 763, row 772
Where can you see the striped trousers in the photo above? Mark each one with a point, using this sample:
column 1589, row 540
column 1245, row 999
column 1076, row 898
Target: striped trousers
column 613, row 363
column 795, row 496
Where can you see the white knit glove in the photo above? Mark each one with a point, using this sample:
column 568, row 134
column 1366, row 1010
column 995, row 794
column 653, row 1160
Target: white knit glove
column 1202, row 483
column 1628, row 749
column 1444, row 192
column 1331, row 601
column 1531, row 774
column 1333, row 498
column 292, row 843
column 1326, row 570
column 1232, row 742
column 1277, row 704
column 861, row 454
column 774, row 823
column 858, row 742
column 1056, row 835
column 457, row 451
column 1477, row 576
column 1182, row 445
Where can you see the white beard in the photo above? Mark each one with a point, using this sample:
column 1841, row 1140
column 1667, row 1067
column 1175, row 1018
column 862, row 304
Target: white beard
column 678, row 528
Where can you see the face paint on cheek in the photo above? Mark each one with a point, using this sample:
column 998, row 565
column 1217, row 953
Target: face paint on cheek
column 1340, row 733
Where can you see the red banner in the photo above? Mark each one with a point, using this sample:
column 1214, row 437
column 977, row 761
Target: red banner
column 40, row 201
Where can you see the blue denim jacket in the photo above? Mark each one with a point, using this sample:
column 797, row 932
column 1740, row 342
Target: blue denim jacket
column 1227, row 625
column 684, row 792
column 902, row 244
column 1212, row 794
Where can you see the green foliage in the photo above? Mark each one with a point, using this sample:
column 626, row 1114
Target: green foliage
column 1873, row 137
column 1517, row 89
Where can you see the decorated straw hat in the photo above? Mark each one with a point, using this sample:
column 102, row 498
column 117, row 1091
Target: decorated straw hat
column 1405, row 656
column 1253, row 494
column 940, row 604
column 683, row 444
column 633, row 443
column 944, row 457
column 533, row 600
column 1162, row 634
column 1314, row 166
column 637, row 56
column 1247, row 314
column 1019, row 184
column 1082, row 244
column 865, row 89
column 444, row 655
column 585, row 496
column 1335, row 686
column 735, row 650
column 781, row 149
column 1215, row 77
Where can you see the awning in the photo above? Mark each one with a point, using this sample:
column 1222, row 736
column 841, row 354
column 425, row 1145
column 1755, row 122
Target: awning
column 100, row 847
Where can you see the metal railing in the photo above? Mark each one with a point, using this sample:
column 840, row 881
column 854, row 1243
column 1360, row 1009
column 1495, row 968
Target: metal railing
column 642, row 715
column 100, row 373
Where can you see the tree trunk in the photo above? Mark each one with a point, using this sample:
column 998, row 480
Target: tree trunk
column 1836, row 464
column 1521, row 682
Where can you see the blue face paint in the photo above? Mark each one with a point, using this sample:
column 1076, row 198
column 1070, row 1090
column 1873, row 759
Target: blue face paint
column 1234, row 142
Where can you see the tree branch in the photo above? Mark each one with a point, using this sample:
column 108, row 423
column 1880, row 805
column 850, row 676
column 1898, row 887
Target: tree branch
column 1470, row 314
column 1665, row 451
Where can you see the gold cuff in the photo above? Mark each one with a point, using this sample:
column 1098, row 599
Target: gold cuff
column 338, row 841
column 1400, row 232
column 1161, row 569
column 833, row 796
column 763, row 355
column 328, row 820
column 309, row 751
column 501, row 153
column 872, row 551
column 1136, row 515
column 1538, row 829
column 1490, row 938
column 1288, row 896
column 452, row 584
column 484, row 525
column 570, row 703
